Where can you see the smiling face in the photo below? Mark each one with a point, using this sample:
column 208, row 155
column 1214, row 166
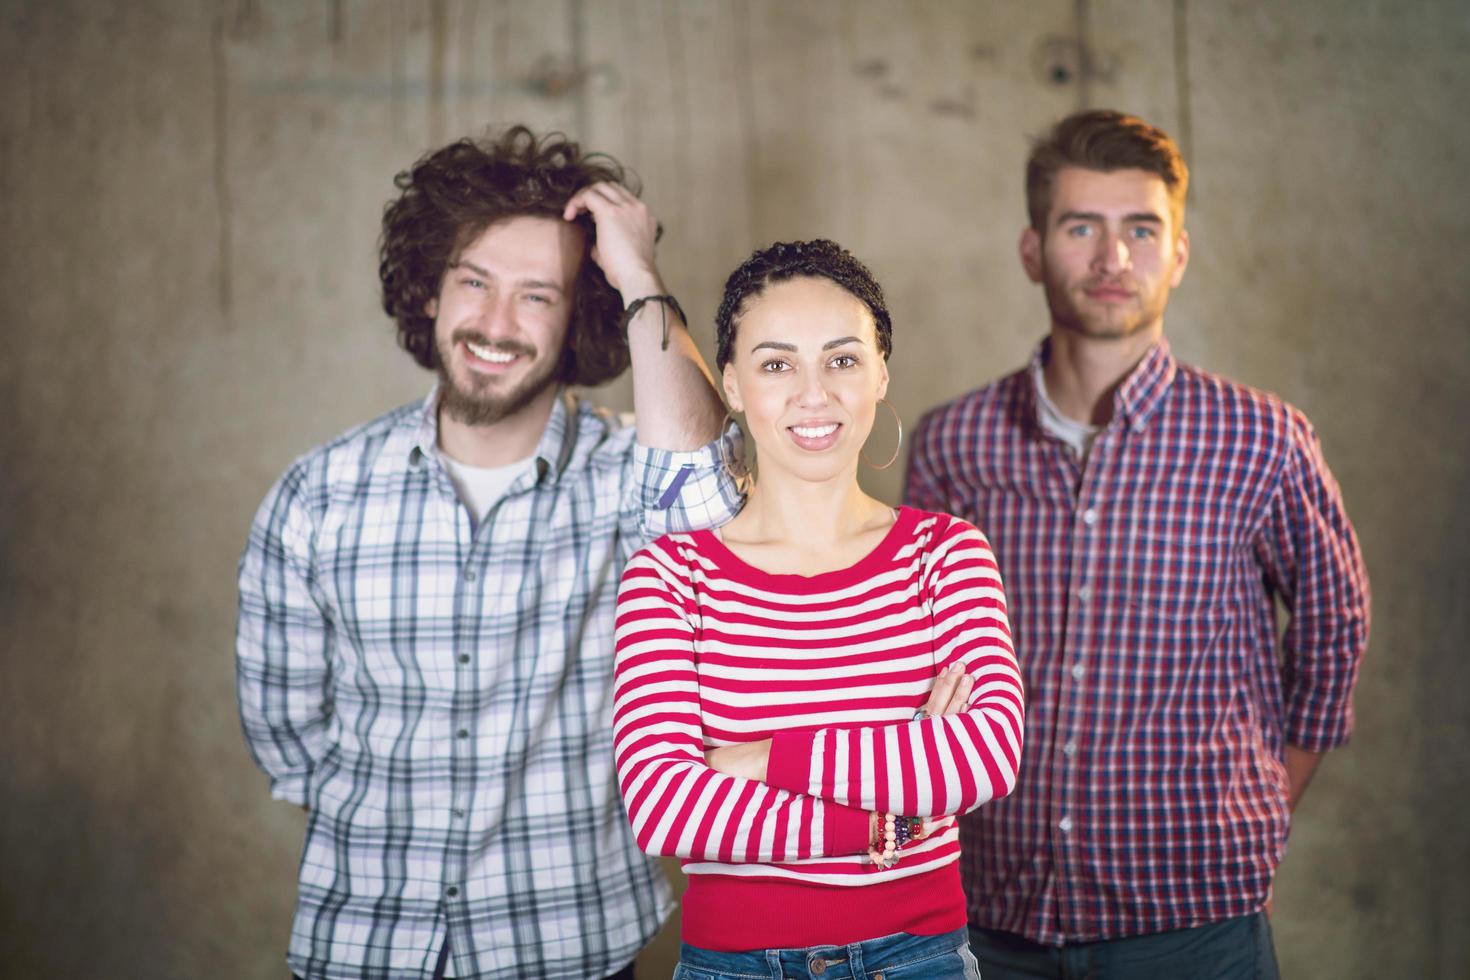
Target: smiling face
column 500, row 319
column 1109, row 254
column 807, row 372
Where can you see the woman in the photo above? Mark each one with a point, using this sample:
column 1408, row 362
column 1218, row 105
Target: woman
column 769, row 672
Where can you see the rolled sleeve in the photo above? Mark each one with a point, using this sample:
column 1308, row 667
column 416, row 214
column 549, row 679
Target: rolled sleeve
column 687, row 491
column 282, row 643
column 1312, row 559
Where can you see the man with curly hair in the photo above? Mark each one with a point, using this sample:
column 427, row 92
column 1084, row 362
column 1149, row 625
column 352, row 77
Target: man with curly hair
column 1147, row 517
column 424, row 651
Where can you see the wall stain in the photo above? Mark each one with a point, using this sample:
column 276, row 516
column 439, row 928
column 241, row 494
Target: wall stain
column 958, row 108
column 1083, row 11
column 1185, row 134
column 438, row 40
column 225, row 245
column 334, row 21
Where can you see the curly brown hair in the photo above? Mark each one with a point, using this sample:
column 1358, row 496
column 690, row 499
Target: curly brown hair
column 453, row 194
column 819, row 258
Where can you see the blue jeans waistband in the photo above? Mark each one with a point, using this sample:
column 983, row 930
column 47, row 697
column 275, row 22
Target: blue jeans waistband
column 854, row 961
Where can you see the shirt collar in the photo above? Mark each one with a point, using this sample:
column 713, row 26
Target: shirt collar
column 553, row 451
column 1136, row 399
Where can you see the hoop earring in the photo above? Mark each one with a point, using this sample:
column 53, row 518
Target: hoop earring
column 891, row 459
column 738, row 469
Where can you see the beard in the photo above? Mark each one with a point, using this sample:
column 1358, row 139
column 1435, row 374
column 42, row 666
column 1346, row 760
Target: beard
column 1073, row 311
column 477, row 402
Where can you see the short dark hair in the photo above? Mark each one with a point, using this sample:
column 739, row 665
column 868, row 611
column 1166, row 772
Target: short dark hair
column 816, row 259
column 1104, row 140
column 453, row 194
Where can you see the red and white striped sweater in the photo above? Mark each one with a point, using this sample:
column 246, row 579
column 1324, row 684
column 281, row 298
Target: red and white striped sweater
column 712, row 651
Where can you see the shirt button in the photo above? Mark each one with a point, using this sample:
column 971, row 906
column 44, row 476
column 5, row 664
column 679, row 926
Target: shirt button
column 1077, row 671
column 1089, row 516
column 1138, row 427
column 1070, row 749
column 451, row 891
column 1065, row 825
column 464, row 658
column 463, row 733
column 458, row 813
column 1084, row 593
column 469, row 574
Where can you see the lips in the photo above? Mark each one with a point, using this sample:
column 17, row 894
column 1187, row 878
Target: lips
column 814, row 436
column 1108, row 292
column 492, row 358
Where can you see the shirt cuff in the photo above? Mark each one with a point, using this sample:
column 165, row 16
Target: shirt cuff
column 789, row 763
column 845, row 830
column 688, row 490
column 291, row 789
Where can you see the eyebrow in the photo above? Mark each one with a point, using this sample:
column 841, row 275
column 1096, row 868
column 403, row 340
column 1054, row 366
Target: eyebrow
column 779, row 345
column 524, row 283
column 1135, row 217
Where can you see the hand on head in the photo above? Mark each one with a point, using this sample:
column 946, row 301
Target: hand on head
column 626, row 232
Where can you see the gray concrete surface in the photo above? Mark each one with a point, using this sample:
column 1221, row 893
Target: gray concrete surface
column 191, row 201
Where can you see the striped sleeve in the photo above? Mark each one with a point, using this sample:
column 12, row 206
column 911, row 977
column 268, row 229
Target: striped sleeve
column 678, row 805
column 935, row 766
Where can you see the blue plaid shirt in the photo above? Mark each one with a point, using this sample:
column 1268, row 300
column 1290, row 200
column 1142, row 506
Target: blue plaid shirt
column 438, row 695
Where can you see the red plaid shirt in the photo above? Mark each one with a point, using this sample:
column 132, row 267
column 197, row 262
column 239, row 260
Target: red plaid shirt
column 1152, row 794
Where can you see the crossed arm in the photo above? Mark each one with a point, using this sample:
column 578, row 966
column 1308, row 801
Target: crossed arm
column 789, row 797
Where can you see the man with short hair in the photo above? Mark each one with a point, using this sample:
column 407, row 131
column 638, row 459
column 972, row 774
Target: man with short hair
column 1146, row 516
column 425, row 646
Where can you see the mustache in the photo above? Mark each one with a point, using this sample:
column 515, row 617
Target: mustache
column 503, row 346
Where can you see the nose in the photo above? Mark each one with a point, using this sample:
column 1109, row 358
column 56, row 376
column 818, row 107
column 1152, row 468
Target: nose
column 1113, row 255
column 811, row 393
column 497, row 317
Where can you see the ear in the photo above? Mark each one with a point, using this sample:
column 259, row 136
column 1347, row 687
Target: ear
column 883, row 379
column 431, row 308
column 1181, row 258
column 1030, row 248
column 732, row 389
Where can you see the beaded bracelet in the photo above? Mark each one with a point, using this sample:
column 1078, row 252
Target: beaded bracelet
column 907, row 829
column 664, row 300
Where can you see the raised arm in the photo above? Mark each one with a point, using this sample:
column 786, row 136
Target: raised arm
column 677, row 804
column 935, row 765
column 674, row 397
column 282, row 644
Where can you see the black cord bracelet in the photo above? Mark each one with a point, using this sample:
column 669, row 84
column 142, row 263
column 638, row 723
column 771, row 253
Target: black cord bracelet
column 664, row 300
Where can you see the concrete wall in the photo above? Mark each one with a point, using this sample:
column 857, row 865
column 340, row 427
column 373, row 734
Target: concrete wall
column 190, row 203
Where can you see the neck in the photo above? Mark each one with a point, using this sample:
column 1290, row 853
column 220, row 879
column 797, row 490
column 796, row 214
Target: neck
column 805, row 514
column 513, row 438
column 1083, row 373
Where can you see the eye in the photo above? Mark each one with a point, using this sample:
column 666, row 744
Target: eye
column 844, row 361
column 539, row 298
column 1079, row 231
column 775, row 366
column 1142, row 232
column 473, row 283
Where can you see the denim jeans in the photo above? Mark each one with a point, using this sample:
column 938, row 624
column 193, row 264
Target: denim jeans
column 897, row 957
column 1235, row 949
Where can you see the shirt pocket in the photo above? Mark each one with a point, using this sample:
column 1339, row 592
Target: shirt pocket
column 1178, row 570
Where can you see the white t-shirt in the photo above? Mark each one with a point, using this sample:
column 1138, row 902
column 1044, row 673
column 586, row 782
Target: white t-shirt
column 1078, row 435
column 481, row 487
